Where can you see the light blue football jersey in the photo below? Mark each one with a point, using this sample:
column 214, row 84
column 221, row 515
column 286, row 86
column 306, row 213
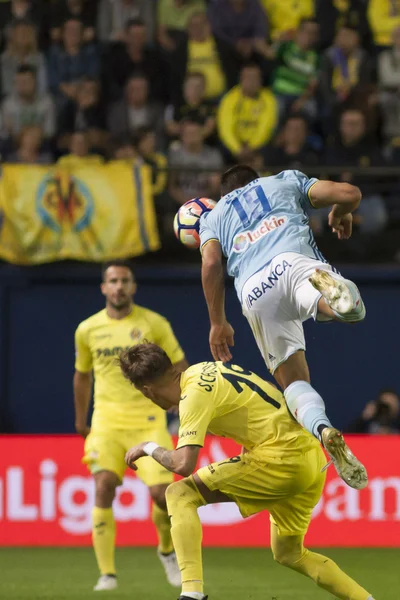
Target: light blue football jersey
column 255, row 223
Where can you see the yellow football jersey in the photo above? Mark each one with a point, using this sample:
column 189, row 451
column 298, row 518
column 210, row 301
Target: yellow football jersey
column 229, row 401
column 98, row 342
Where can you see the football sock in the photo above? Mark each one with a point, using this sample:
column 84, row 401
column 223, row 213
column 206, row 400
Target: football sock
column 183, row 500
column 290, row 552
column 163, row 526
column 195, row 595
column 307, row 407
column 103, row 536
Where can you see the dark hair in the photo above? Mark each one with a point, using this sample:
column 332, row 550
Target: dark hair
column 23, row 69
column 250, row 65
column 122, row 140
column 140, row 133
column 191, row 121
column 195, row 74
column 144, row 363
column 298, row 117
column 137, row 75
column 349, row 25
column 237, row 177
column 116, row 263
column 89, row 79
column 75, row 20
column 135, row 23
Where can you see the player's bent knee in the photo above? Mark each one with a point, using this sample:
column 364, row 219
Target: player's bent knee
column 183, row 492
column 157, row 493
column 173, row 492
column 106, row 484
column 288, row 551
column 284, row 559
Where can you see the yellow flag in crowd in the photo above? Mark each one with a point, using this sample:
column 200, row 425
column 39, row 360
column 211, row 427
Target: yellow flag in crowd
column 85, row 212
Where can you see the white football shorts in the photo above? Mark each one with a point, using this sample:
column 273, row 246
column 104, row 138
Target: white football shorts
column 277, row 299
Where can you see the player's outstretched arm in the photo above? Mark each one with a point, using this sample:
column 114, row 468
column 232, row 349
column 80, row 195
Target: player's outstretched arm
column 212, row 277
column 344, row 199
column 82, row 394
column 181, row 461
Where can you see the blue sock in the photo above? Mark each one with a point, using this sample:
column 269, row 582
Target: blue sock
column 307, row 407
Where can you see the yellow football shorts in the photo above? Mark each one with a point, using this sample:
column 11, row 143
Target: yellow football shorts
column 288, row 486
column 106, row 452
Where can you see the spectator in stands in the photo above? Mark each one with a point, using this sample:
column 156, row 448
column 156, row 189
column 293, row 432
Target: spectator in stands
column 192, row 153
column 194, row 107
column 145, row 144
column 18, row 11
column 203, row 53
column 295, row 78
column 79, row 152
column 25, row 106
column 353, row 148
column 114, row 15
column 247, row 115
column 345, row 71
column 285, row 16
column 71, row 61
column 136, row 111
column 84, row 113
column 123, row 148
column 331, row 15
column 22, row 49
column 65, row 10
column 243, row 25
column 384, row 18
column 29, row 147
column 389, row 87
column 173, row 18
column 380, row 416
column 291, row 150
column 133, row 57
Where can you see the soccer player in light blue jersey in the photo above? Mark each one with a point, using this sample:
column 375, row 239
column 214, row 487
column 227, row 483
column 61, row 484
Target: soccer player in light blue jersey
column 261, row 226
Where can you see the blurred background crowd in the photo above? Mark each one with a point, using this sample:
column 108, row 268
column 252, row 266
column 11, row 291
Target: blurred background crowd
column 191, row 86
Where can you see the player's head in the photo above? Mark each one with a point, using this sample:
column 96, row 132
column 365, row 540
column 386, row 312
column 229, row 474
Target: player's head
column 118, row 285
column 237, row 177
column 150, row 370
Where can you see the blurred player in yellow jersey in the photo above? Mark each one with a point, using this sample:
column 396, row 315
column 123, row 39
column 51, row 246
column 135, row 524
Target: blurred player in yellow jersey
column 122, row 416
column 280, row 469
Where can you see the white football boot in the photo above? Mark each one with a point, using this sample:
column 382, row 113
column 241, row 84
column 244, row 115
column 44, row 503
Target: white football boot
column 171, row 568
column 347, row 466
column 106, row 583
column 341, row 295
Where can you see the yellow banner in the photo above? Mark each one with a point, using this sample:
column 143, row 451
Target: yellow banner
column 88, row 213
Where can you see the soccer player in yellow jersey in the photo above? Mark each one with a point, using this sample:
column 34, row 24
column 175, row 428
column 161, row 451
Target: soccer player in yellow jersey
column 280, row 469
column 122, row 415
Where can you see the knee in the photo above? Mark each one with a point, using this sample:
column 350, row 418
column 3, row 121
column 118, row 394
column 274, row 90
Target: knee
column 283, row 558
column 288, row 554
column 172, row 494
column 157, row 493
column 105, row 489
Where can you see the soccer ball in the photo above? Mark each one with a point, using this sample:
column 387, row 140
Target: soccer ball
column 186, row 222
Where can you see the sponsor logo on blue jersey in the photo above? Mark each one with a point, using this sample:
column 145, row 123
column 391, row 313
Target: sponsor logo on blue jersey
column 268, row 284
column 242, row 241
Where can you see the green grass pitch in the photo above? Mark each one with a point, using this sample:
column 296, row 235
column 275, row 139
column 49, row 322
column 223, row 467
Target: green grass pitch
column 230, row 574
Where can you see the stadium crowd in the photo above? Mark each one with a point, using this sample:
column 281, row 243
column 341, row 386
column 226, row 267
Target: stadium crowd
column 191, row 86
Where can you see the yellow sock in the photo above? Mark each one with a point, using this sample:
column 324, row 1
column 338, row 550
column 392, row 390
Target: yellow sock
column 103, row 536
column 330, row 577
column 290, row 552
column 183, row 500
column 162, row 524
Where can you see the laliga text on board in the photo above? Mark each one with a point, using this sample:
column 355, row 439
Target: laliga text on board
column 46, row 497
